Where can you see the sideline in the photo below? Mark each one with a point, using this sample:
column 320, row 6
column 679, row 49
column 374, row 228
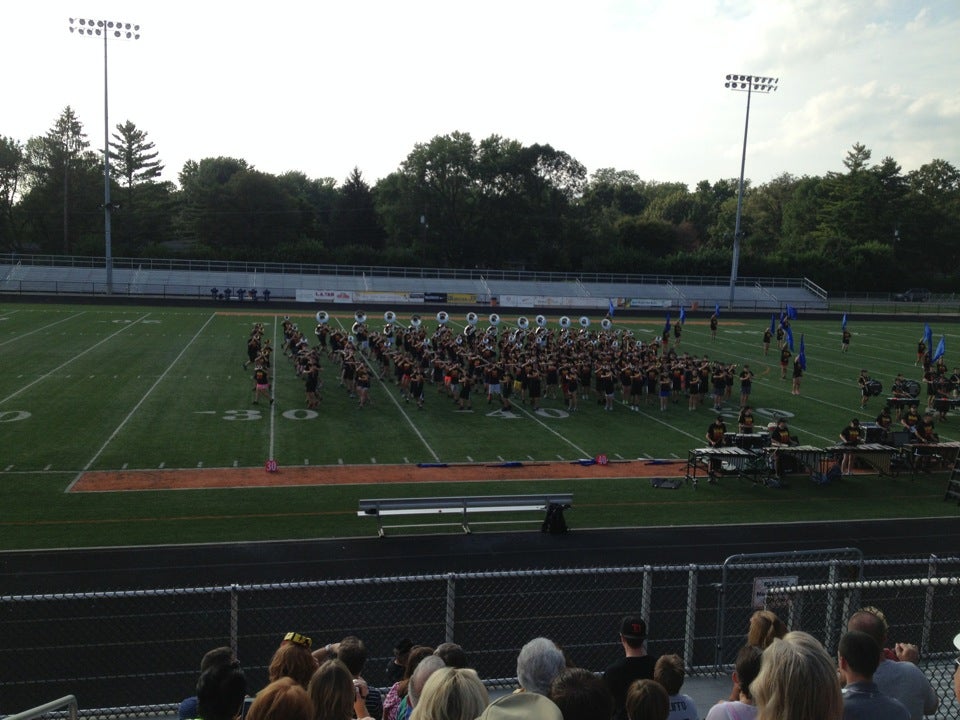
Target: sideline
column 41, row 329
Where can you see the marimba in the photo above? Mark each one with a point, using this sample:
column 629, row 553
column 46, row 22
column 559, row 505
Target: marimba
column 803, row 456
column 876, row 455
column 744, row 461
column 921, row 455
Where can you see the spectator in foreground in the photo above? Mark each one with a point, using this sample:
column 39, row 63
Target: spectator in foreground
column 581, row 695
column 670, row 672
column 398, row 692
column 522, row 706
column 797, row 681
column 397, row 666
column 212, row 658
column 647, row 700
column 899, row 679
column 334, row 694
column 220, row 692
column 859, row 656
column 746, row 669
column 539, row 662
column 765, row 627
column 427, row 667
column 283, row 699
column 634, row 665
column 452, row 655
column 353, row 653
column 292, row 660
column 452, row 694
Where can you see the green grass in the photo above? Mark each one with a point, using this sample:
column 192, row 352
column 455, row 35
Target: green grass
column 112, row 388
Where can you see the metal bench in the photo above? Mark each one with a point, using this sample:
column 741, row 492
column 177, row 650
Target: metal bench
column 460, row 506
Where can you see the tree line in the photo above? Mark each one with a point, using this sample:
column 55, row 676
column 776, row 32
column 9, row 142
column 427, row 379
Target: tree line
column 493, row 203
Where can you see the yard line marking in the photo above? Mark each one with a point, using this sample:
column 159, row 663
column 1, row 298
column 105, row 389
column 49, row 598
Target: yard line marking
column 340, row 461
column 50, row 465
column 559, row 456
column 75, row 357
column 200, row 464
column 406, row 461
column 41, row 329
column 139, row 403
column 124, row 466
column 8, row 468
column 469, row 459
column 373, row 461
column 161, row 465
column 273, row 398
column 583, row 453
column 396, row 403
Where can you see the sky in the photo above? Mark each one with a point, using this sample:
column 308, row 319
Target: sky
column 322, row 87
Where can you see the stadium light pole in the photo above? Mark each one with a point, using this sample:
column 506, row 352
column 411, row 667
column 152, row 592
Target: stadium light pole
column 748, row 84
column 121, row 31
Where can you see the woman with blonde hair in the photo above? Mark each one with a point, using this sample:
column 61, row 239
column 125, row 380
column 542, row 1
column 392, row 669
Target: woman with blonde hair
column 452, row 694
column 797, row 681
column 765, row 627
column 283, row 699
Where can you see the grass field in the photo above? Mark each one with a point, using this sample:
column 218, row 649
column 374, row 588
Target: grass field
column 85, row 388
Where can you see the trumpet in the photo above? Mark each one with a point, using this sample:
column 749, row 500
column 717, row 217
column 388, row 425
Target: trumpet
column 323, row 317
column 389, row 317
column 443, row 317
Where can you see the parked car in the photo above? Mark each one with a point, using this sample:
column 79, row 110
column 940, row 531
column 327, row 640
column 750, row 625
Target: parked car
column 913, row 295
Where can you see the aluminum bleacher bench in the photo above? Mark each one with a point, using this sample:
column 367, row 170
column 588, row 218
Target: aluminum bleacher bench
column 460, row 506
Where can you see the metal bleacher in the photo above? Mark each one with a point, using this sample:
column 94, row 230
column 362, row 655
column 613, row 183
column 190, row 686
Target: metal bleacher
column 54, row 275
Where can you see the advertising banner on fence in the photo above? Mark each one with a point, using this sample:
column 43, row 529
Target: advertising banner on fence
column 324, row 296
column 647, row 303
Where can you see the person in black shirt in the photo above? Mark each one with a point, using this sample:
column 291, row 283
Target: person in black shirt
column 851, row 436
column 635, row 665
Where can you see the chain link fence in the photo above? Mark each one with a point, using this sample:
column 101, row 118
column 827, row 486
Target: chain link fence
column 137, row 653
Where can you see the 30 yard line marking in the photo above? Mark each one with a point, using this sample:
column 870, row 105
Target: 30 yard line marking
column 75, row 357
column 140, row 402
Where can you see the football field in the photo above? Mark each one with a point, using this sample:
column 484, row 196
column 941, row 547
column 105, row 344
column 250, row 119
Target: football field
column 88, row 391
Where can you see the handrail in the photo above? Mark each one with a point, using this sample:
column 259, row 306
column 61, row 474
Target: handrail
column 67, row 701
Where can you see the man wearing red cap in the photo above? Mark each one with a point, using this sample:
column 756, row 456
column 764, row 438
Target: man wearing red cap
column 635, row 665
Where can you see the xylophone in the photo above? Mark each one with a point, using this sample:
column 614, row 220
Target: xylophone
column 876, row 455
column 742, row 460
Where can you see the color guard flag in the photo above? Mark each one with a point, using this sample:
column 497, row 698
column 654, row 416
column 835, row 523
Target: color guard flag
column 666, row 328
column 791, row 312
column 941, row 349
column 927, row 335
column 716, row 309
column 610, row 307
column 843, row 322
column 773, row 324
column 789, row 337
column 802, row 357
column 683, row 315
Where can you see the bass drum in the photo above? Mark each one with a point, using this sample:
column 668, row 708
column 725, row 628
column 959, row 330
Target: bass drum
column 912, row 387
column 874, row 387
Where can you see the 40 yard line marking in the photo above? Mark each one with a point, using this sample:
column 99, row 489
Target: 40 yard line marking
column 139, row 403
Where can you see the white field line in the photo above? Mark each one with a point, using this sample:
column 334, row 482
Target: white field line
column 396, row 403
column 139, row 403
column 41, row 329
column 583, row 453
column 75, row 357
column 273, row 395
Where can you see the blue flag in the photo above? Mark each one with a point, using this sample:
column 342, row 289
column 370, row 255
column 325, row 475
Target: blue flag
column 773, row 324
column 716, row 309
column 802, row 357
column 927, row 335
column 791, row 312
column 683, row 315
column 610, row 307
column 789, row 337
column 666, row 328
column 843, row 322
column 941, row 349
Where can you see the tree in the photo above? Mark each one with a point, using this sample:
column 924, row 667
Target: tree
column 55, row 163
column 11, row 173
column 355, row 222
column 133, row 157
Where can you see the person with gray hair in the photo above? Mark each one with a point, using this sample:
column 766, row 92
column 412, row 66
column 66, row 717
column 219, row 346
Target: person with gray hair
column 540, row 661
column 425, row 668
